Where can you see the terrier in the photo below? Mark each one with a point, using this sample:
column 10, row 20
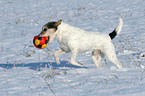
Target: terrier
column 76, row 40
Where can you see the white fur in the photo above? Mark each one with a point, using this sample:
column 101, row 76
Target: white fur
column 76, row 40
column 119, row 26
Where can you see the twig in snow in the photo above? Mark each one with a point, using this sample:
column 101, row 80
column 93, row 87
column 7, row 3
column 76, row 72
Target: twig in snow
column 112, row 80
column 68, row 85
column 115, row 76
column 142, row 74
column 49, row 87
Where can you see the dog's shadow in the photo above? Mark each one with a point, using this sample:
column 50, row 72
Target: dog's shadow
column 38, row 65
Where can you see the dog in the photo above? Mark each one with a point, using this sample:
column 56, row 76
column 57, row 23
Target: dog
column 76, row 40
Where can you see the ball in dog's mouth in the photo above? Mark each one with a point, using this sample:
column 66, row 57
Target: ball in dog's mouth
column 40, row 42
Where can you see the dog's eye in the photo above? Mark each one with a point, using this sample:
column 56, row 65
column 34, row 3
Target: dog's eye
column 45, row 29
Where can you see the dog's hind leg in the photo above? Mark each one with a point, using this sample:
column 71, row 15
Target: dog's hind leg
column 110, row 53
column 56, row 55
column 96, row 56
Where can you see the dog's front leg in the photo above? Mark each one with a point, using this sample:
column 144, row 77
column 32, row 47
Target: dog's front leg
column 56, row 54
column 73, row 57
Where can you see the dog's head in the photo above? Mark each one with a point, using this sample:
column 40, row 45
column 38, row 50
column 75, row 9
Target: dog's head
column 49, row 30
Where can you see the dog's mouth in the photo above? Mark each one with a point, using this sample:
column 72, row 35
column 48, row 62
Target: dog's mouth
column 48, row 39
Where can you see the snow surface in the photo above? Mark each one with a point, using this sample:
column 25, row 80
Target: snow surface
column 27, row 71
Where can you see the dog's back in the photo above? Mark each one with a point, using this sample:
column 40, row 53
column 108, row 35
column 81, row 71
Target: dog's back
column 70, row 36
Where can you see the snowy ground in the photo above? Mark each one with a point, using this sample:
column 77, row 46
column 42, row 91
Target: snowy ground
column 27, row 71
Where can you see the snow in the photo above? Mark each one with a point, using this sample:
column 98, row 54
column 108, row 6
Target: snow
column 27, row 71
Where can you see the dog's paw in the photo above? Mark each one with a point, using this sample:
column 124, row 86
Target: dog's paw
column 76, row 63
column 58, row 62
column 80, row 64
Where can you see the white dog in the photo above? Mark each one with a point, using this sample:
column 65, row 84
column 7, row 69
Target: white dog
column 76, row 40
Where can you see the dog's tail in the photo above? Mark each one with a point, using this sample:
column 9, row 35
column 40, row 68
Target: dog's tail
column 117, row 29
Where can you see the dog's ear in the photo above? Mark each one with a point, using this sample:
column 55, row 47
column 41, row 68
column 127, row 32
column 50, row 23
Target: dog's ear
column 58, row 23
